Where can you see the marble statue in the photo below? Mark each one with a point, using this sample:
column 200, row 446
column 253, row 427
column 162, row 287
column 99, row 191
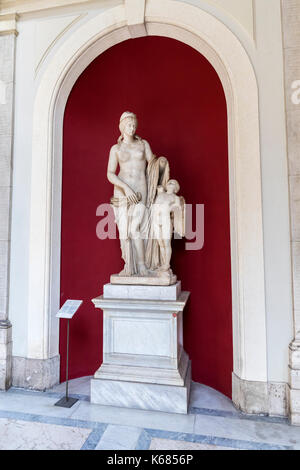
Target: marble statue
column 146, row 206
column 144, row 363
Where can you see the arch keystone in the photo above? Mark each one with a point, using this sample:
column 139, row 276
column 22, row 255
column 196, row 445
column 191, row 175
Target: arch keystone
column 135, row 14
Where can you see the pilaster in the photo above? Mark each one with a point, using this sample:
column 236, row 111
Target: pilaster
column 291, row 41
column 8, row 34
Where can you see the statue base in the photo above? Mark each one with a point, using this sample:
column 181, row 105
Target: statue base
column 140, row 395
column 165, row 279
column 144, row 363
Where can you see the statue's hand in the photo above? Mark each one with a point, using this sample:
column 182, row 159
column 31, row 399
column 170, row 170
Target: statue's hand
column 131, row 196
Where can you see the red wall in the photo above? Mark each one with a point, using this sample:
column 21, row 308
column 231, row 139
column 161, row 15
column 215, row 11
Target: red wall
column 181, row 108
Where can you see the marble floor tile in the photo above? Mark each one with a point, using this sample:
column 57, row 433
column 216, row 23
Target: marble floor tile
column 24, row 435
column 34, row 404
column 213, row 423
column 119, row 438
column 94, row 438
column 139, row 418
column 248, row 430
column 80, row 386
column 168, row 444
column 206, row 397
column 202, row 396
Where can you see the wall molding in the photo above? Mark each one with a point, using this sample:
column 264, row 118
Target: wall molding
column 8, row 24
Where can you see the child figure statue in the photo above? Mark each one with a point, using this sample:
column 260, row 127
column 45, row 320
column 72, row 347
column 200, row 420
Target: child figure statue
column 167, row 215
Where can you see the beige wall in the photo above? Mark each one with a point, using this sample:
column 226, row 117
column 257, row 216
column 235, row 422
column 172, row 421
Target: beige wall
column 242, row 12
column 257, row 24
column 291, row 30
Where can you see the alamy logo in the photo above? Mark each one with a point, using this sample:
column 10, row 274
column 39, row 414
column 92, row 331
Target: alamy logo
column 194, row 225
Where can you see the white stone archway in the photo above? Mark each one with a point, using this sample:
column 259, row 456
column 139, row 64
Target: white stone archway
column 224, row 51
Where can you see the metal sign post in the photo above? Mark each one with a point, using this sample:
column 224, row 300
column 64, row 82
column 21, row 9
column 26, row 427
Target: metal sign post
column 67, row 311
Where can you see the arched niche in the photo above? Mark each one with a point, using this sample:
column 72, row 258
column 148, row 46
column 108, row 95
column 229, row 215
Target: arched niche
column 224, row 51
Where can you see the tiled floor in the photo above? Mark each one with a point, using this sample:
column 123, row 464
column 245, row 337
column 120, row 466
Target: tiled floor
column 29, row 420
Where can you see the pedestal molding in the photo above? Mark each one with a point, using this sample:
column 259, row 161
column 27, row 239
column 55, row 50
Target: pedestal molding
column 156, row 375
column 139, row 305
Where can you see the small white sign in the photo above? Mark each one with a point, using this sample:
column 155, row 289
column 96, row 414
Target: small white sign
column 69, row 308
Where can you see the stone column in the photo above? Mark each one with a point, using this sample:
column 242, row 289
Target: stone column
column 7, row 65
column 291, row 41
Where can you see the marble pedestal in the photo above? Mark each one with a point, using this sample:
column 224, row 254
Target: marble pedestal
column 144, row 363
column 167, row 279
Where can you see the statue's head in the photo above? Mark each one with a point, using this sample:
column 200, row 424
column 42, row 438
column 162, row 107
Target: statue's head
column 128, row 123
column 172, row 186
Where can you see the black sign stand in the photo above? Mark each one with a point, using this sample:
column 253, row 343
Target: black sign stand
column 67, row 311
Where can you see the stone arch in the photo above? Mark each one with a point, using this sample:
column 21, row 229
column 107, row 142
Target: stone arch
column 224, row 51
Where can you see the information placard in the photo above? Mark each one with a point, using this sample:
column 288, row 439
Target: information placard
column 69, row 308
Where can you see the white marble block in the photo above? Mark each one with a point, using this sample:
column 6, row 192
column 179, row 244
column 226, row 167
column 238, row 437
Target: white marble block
column 117, row 291
column 140, row 395
column 144, row 363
